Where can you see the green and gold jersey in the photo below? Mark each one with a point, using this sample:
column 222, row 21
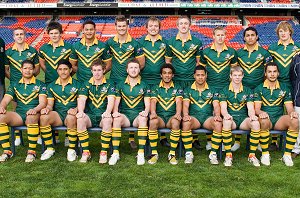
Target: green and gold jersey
column 52, row 55
column 65, row 97
column 236, row 102
column 201, row 102
column 183, row 56
column 132, row 98
column 15, row 58
column 121, row 53
column 166, row 98
column 253, row 64
column 85, row 55
column 96, row 95
column 282, row 56
column 154, row 58
column 218, row 65
column 2, row 60
column 272, row 100
column 26, row 95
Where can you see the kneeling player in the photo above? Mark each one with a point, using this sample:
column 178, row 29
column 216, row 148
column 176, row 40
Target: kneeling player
column 237, row 109
column 60, row 110
column 199, row 103
column 97, row 95
column 133, row 97
column 166, row 106
column 30, row 95
column 270, row 98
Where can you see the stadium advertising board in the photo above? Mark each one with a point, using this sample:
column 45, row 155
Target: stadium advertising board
column 28, row 5
column 87, row 5
column 239, row 5
column 149, row 5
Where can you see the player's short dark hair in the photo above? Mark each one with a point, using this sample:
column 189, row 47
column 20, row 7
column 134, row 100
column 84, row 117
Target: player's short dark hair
column 152, row 18
column 89, row 22
column 28, row 62
column 98, row 62
column 271, row 64
column 169, row 66
column 64, row 62
column 53, row 25
column 200, row 67
column 251, row 29
column 133, row 60
column 121, row 18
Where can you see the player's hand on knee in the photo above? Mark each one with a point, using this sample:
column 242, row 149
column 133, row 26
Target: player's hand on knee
column 227, row 117
column 143, row 114
column 253, row 118
column 186, row 118
column 80, row 115
column 263, row 115
column 31, row 112
column 116, row 114
column 217, row 119
column 178, row 116
column 153, row 116
column 106, row 115
column 72, row 111
column 2, row 110
column 294, row 115
column 45, row 111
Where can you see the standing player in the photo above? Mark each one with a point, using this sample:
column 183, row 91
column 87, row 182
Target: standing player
column 51, row 53
column 2, row 68
column 30, row 95
column 199, row 102
column 154, row 47
column 252, row 58
column 238, row 112
column 166, row 106
column 60, row 110
column 95, row 105
column 123, row 48
column 133, row 101
column 19, row 52
column 218, row 59
column 270, row 98
column 86, row 51
column 283, row 52
column 184, row 54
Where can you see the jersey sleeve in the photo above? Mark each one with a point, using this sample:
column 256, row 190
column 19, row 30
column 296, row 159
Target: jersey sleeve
column 147, row 92
column 203, row 60
column 73, row 55
column 106, row 53
column 138, row 50
column 234, row 59
column 111, row 90
column 186, row 94
column 223, row 96
column 41, row 55
column 169, row 53
column 49, row 92
column 200, row 48
column 288, row 96
column 267, row 57
column 43, row 89
column 10, row 91
column 250, row 95
column 83, row 90
column 36, row 58
column 256, row 94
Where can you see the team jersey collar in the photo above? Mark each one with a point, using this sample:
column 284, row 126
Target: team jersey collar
column 267, row 84
column 60, row 43
column 291, row 42
column 195, row 87
column 92, row 81
column 32, row 80
column 83, row 41
column 128, row 38
column 213, row 47
column 161, row 84
column 189, row 38
column 26, row 46
column 231, row 88
column 147, row 38
column 70, row 81
column 255, row 48
column 138, row 82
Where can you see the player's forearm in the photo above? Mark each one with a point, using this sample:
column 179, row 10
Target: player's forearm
column 116, row 105
column 178, row 106
column 81, row 104
column 153, row 106
column 185, row 107
column 217, row 108
column 147, row 104
column 224, row 109
column 110, row 104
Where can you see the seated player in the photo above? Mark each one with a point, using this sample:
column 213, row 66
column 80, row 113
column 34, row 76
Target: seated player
column 166, row 106
column 133, row 101
column 60, row 110
column 270, row 97
column 30, row 95
column 95, row 104
column 237, row 109
column 199, row 102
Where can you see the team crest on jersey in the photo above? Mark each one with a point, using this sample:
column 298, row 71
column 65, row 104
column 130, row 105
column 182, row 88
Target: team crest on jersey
column 227, row 56
column 192, row 46
column 28, row 55
column 36, row 89
column 174, row 91
column 63, row 50
column 141, row 91
column 209, row 95
column 244, row 98
column 281, row 93
column 97, row 49
column 295, row 48
column 104, row 89
column 73, row 90
column 259, row 57
column 251, row 96
column 129, row 48
column 162, row 46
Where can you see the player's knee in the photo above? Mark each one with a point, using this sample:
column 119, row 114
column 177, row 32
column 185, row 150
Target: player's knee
column 227, row 124
column 153, row 124
column 32, row 119
column 3, row 118
column 71, row 121
column 44, row 120
column 217, row 126
column 186, row 125
column 294, row 124
column 107, row 121
column 254, row 125
column 175, row 124
column 142, row 120
column 264, row 123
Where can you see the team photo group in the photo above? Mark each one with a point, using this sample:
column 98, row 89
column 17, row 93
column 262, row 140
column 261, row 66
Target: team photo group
column 152, row 83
